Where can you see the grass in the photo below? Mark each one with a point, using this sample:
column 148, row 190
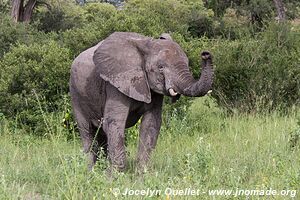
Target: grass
column 205, row 150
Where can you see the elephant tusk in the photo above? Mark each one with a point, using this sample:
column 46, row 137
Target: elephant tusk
column 172, row 92
column 210, row 91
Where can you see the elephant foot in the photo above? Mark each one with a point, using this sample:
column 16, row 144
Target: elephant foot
column 142, row 166
column 113, row 172
column 142, row 170
column 117, row 165
column 92, row 158
column 110, row 174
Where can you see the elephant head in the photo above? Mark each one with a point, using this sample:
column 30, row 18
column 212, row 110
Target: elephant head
column 136, row 64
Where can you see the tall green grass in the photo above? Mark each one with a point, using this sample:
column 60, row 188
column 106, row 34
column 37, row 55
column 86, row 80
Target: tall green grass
column 207, row 149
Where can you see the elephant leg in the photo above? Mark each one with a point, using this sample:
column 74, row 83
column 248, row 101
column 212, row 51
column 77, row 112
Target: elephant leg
column 115, row 115
column 90, row 147
column 149, row 131
column 90, row 144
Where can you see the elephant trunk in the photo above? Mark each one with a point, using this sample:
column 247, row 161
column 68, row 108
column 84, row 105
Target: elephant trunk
column 188, row 86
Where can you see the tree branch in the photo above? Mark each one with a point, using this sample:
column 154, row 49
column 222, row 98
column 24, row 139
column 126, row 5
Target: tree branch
column 17, row 6
column 28, row 10
column 43, row 3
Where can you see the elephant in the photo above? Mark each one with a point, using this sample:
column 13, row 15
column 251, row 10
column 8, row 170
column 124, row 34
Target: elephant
column 124, row 78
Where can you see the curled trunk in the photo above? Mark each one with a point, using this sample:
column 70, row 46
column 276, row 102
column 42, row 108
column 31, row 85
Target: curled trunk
column 188, row 86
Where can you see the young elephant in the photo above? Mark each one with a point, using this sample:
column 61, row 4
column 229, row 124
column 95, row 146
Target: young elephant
column 123, row 78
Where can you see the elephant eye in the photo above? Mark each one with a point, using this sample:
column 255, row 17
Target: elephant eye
column 160, row 67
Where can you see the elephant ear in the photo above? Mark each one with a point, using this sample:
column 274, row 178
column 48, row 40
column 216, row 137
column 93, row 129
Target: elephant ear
column 120, row 61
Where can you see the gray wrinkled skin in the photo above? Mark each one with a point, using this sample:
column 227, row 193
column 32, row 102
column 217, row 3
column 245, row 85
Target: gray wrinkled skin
column 122, row 79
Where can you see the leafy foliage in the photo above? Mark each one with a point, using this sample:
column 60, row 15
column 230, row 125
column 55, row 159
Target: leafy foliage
column 259, row 74
column 33, row 80
column 11, row 33
column 256, row 59
column 4, row 7
column 257, row 68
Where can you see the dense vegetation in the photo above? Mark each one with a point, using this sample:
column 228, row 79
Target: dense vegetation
column 244, row 135
column 257, row 62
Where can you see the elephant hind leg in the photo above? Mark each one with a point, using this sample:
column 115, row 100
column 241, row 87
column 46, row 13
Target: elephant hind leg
column 90, row 144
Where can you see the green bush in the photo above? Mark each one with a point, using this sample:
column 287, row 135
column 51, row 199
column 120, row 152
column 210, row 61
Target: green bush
column 155, row 17
column 293, row 9
column 54, row 20
column 59, row 16
column 258, row 10
column 33, row 80
column 100, row 20
column 152, row 18
column 234, row 25
column 4, row 7
column 99, row 11
column 12, row 33
column 259, row 74
column 79, row 39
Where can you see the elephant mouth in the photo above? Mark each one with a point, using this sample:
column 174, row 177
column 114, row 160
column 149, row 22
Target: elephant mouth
column 172, row 92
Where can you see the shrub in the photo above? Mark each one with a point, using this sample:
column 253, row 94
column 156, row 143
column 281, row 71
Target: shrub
column 99, row 11
column 155, row 17
column 259, row 74
column 4, row 7
column 59, row 16
column 33, row 79
column 13, row 33
column 101, row 21
column 293, row 9
column 233, row 25
column 54, row 20
column 79, row 39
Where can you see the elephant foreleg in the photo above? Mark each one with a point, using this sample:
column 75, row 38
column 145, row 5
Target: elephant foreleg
column 149, row 131
column 90, row 147
column 115, row 115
